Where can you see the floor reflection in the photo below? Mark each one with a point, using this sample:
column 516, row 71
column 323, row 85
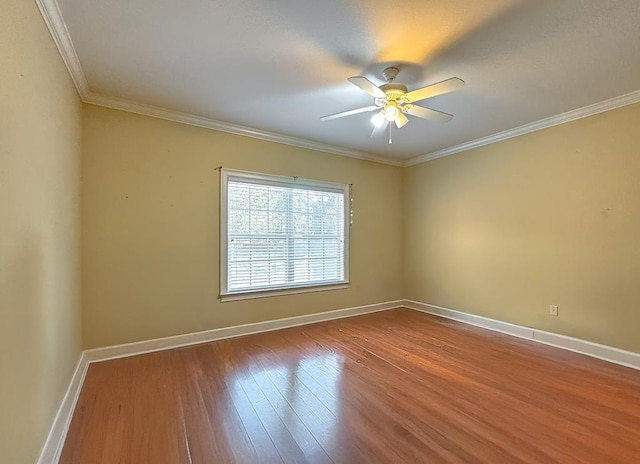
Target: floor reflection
column 299, row 396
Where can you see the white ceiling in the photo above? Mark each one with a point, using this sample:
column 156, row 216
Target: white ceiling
column 277, row 66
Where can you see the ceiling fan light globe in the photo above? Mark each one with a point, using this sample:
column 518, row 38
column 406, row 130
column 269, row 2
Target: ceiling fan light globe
column 391, row 111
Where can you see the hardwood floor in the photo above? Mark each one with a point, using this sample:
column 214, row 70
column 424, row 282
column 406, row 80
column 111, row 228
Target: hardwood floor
column 396, row 386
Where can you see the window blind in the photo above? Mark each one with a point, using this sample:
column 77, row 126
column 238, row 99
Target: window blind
column 283, row 233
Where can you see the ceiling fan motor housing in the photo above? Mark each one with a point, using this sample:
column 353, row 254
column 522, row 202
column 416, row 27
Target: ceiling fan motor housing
column 394, row 92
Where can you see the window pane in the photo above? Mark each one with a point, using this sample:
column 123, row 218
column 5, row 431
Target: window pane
column 300, row 249
column 259, row 222
column 315, row 202
column 278, row 250
column 278, row 223
column 315, row 226
column 239, row 249
column 239, row 222
column 316, row 248
column 332, row 269
column 239, row 194
column 259, row 249
column 332, row 248
column 330, row 225
column 330, row 203
column 278, row 273
column 316, row 269
column 300, row 201
column 259, row 198
column 301, row 271
column 300, row 224
column 278, row 199
column 259, row 274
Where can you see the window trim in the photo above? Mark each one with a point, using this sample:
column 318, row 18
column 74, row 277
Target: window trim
column 282, row 181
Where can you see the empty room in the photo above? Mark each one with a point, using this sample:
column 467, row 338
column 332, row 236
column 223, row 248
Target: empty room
column 319, row 232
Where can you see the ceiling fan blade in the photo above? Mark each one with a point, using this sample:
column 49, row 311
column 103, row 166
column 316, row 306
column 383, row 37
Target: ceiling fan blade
column 427, row 113
column 401, row 120
column 432, row 90
column 348, row 113
column 368, row 86
column 377, row 130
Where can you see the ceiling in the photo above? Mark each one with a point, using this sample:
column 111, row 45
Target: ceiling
column 274, row 67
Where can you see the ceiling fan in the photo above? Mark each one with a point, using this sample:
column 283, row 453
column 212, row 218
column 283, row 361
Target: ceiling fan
column 394, row 101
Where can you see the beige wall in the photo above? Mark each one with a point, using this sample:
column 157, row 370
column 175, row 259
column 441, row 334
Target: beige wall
column 502, row 231
column 151, row 230
column 40, row 337
column 552, row 217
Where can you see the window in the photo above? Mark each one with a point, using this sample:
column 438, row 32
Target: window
column 281, row 235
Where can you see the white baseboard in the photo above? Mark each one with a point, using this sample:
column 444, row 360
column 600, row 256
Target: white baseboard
column 148, row 346
column 53, row 446
column 55, row 440
column 595, row 350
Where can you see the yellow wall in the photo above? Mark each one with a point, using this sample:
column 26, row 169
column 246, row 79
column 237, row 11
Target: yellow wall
column 552, row 217
column 150, row 223
column 40, row 337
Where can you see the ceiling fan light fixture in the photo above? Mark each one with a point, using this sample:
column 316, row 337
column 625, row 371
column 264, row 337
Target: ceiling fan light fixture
column 378, row 119
column 393, row 102
column 391, row 110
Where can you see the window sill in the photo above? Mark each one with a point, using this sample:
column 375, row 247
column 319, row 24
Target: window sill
column 281, row 291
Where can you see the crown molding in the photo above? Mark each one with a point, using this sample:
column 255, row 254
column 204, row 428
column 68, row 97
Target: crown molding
column 58, row 29
column 200, row 121
column 590, row 110
column 53, row 18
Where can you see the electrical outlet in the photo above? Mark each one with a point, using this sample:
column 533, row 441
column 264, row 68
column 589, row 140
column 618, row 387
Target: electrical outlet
column 553, row 310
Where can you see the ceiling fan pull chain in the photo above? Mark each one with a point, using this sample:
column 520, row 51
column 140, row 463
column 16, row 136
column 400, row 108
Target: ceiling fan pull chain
column 390, row 140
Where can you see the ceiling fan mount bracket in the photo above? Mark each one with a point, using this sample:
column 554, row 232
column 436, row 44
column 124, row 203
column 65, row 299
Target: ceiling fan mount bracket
column 390, row 73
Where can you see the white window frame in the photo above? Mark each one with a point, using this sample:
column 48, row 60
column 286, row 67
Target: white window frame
column 281, row 181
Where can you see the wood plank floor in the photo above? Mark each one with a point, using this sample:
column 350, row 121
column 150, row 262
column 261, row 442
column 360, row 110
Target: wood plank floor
column 392, row 387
